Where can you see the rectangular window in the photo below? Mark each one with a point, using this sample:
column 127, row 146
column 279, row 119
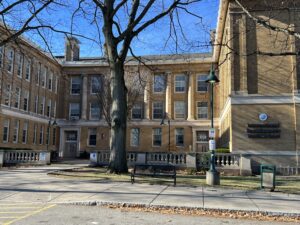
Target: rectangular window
column 201, row 84
column 50, row 81
column 179, row 108
column 34, row 134
column 158, row 110
column 42, row 106
column 43, row 76
column 36, row 103
column 38, row 74
column 5, row 131
column 74, row 111
column 24, row 133
column 136, row 112
column 75, row 85
column 28, row 69
column 10, row 60
column 202, row 110
column 1, row 56
column 159, row 83
column 156, row 137
column 54, row 109
column 202, row 136
column 92, row 136
column 16, row 131
column 135, row 137
column 7, row 95
column 19, row 59
column 25, row 100
column 49, row 108
column 95, row 84
column 179, row 133
column 180, row 82
column 95, row 111
column 17, row 97
column 54, row 136
column 41, row 139
column 48, row 135
column 54, row 84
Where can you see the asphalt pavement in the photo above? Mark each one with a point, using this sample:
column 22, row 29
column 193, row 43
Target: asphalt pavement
column 32, row 186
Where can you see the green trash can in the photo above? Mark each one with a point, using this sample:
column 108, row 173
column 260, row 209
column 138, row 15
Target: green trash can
column 267, row 174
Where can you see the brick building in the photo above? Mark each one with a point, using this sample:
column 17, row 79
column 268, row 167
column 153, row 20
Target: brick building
column 256, row 101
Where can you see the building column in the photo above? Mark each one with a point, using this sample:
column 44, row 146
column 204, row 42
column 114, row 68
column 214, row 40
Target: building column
column 168, row 101
column 243, row 55
column 84, row 97
column 191, row 93
column 147, row 95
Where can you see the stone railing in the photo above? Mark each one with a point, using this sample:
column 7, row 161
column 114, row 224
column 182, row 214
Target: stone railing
column 19, row 157
column 181, row 160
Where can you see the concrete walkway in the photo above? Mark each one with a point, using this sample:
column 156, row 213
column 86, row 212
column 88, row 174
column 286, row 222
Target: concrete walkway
column 33, row 185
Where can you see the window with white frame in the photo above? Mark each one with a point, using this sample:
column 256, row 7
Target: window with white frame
column 202, row 136
column 159, row 83
column 36, row 103
column 136, row 111
column 92, row 137
column 7, row 95
column 41, row 139
column 34, row 134
column 95, row 84
column 74, row 111
column 54, row 109
column 135, row 137
column 202, row 110
column 50, row 78
column 25, row 132
column 19, row 59
column 43, row 76
column 27, row 69
column 95, row 111
column 180, row 83
column 75, row 85
column 158, row 110
column 42, row 105
column 201, row 84
column 25, row 100
column 48, row 135
column 38, row 74
column 10, row 60
column 1, row 55
column 16, row 131
column 49, row 108
column 5, row 131
column 179, row 136
column 179, row 109
column 156, row 137
column 17, row 97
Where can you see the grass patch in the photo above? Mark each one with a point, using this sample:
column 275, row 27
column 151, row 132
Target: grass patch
column 289, row 184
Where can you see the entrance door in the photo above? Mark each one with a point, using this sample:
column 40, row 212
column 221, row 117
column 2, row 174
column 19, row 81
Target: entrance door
column 71, row 144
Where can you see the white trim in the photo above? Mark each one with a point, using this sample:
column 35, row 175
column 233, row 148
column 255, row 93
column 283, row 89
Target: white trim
column 21, row 115
column 252, row 99
column 266, row 153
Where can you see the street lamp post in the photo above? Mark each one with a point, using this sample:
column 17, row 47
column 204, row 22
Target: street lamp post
column 212, row 176
column 169, row 124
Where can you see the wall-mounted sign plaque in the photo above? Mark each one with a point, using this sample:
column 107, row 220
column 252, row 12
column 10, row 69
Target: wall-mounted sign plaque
column 269, row 130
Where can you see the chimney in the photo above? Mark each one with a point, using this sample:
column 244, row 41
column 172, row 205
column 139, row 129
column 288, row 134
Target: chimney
column 72, row 48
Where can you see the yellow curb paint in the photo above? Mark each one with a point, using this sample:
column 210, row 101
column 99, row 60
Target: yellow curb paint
column 28, row 215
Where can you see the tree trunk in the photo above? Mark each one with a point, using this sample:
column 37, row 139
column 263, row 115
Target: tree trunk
column 118, row 160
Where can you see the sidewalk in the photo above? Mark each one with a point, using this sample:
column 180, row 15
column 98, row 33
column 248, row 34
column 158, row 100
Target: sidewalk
column 35, row 186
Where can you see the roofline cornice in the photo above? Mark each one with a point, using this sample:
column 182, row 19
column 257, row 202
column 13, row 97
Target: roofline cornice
column 223, row 9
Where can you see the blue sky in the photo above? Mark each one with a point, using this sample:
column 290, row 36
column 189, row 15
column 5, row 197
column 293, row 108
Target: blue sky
column 149, row 42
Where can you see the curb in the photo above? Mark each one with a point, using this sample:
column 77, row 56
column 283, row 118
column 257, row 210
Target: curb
column 182, row 208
